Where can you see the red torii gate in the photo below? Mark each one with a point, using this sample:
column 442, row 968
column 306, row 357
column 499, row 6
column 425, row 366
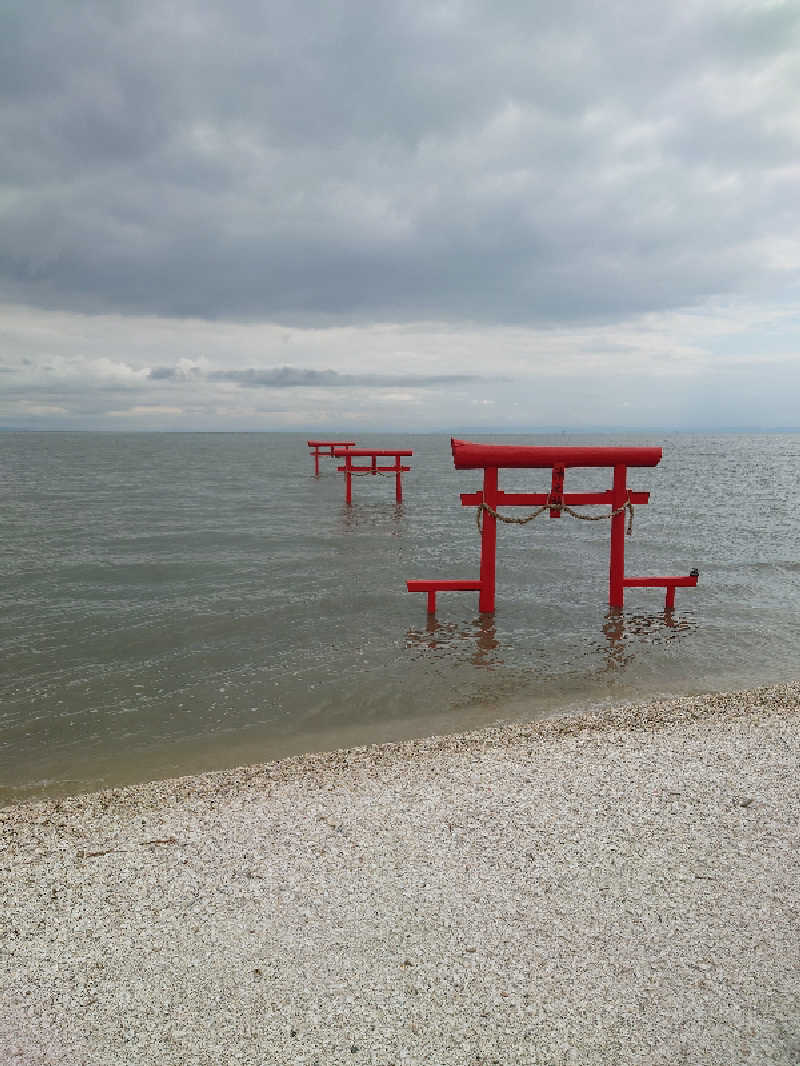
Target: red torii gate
column 373, row 468
column 330, row 445
column 491, row 457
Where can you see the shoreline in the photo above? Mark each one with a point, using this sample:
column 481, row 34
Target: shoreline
column 620, row 886
column 631, row 714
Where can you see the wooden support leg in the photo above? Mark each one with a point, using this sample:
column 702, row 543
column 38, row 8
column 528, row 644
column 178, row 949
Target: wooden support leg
column 398, row 484
column 619, row 494
column 488, row 542
column 557, row 490
column 431, row 602
column 348, row 479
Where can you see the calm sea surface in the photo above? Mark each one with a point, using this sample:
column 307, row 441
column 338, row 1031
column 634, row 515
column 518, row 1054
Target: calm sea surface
column 172, row 603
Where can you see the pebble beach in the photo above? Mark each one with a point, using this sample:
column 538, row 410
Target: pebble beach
column 620, row 887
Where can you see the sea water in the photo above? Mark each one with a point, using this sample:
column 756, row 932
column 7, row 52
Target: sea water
column 171, row 603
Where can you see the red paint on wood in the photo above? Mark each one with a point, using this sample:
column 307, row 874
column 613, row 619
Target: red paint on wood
column 360, row 452
column 488, row 542
column 539, row 499
column 320, row 445
column 377, row 470
column 468, row 456
column 685, row 581
column 617, row 560
column 557, row 490
column 373, row 468
column 490, row 457
column 442, row 584
column 432, row 587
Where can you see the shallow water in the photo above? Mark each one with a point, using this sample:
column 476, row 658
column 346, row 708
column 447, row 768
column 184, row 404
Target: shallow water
column 171, row 603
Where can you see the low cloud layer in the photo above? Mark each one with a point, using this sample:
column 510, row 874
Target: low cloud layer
column 659, row 369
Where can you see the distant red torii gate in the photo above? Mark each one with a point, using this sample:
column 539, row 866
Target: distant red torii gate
column 373, row 454
column 491, row 457
column 320, row 447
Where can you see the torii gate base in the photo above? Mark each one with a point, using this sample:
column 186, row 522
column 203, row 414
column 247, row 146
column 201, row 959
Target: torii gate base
column 491, row 457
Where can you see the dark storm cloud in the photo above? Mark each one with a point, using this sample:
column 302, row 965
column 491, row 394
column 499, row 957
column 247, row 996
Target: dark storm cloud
column 503, row 162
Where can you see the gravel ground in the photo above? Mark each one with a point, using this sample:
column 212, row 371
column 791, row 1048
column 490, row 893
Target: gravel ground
column 617, row 888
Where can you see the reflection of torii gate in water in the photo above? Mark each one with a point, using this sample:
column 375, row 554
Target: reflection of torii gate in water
column 491, row 457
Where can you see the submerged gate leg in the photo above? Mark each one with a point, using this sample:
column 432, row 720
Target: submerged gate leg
column 619, row 494
column 488, row 542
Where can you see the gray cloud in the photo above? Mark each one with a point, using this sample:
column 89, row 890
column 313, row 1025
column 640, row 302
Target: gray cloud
column 175, row 373
column 505, row 162
column 285, row 377
column 292, row 377
column 164, row 373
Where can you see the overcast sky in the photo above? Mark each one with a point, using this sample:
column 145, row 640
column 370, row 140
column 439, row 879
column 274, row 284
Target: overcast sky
column 399, row 213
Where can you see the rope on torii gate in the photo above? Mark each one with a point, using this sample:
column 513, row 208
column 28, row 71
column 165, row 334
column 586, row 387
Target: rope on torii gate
column 627, row 506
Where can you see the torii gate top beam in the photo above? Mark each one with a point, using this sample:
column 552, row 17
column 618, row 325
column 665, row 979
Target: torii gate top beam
column 469, row 456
